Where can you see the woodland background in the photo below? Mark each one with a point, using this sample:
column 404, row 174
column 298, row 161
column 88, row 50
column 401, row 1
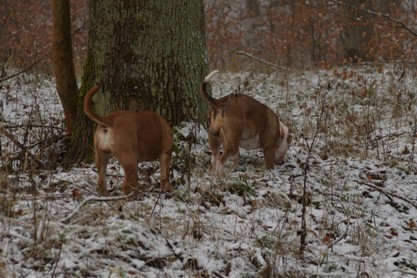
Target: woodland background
column 294, row 34
column 342, row 74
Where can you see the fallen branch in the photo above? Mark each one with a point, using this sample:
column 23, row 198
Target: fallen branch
column 261, row 60
column 389, row 195
column 66, row 219
column 50, row 140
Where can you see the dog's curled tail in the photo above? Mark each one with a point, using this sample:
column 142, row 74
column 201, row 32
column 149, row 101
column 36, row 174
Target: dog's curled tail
column 203, row 89
column 87, row 104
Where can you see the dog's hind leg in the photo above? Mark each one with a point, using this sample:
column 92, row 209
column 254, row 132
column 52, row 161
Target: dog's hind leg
column 165, row 162
column 101, row 160
column 130, row 167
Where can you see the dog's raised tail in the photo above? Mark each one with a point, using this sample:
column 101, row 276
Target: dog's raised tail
column 87, row 110
column 203, row 89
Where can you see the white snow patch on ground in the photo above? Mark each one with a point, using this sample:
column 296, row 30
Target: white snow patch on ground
column 360, row 182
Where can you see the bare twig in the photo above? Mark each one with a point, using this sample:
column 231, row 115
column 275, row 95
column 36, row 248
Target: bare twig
column 49, row 140
column 20, row 145
column 57, row 261
column 337, row 240
column 261, row 60
column 23, row 70
column 156, row 202
column 303, row 234
column 373, row 13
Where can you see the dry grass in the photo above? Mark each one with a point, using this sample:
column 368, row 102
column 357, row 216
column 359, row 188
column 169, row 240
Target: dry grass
column 351, row 119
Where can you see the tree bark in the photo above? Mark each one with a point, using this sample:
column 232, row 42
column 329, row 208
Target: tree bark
column 145, row 55
column 64, row 72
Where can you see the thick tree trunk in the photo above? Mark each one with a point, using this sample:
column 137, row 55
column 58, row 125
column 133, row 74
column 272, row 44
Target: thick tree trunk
column 145, row 55
column 64, row 72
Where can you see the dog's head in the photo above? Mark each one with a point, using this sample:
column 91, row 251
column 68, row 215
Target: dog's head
column 283, row 143
column 215, row 120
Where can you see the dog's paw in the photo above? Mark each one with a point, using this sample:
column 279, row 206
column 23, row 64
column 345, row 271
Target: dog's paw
column 167, row 187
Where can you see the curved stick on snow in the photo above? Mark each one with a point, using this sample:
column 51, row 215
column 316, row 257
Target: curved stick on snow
column 66, row 219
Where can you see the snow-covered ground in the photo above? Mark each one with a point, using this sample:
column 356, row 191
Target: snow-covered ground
column 354, row 157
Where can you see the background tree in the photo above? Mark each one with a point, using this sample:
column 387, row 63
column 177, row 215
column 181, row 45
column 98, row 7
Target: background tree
column 361, row 32
column 145, row 55
column 64, row 71
column 295, row 33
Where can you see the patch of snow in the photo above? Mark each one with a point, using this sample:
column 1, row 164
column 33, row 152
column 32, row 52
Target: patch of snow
column 360, row 180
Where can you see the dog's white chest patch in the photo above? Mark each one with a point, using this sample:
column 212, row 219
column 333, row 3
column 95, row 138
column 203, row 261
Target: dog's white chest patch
column 250, row 143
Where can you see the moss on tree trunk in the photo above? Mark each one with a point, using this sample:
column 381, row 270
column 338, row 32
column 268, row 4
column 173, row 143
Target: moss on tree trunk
column 145, row 55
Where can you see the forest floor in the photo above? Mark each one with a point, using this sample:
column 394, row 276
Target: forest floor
column 353, row 160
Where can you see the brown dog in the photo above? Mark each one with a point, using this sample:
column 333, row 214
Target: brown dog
column 130, row 137
column 238, row 120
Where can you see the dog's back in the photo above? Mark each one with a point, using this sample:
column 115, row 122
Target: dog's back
column 147, row 127
column 247, row 108
column 130, row 137
column 233, row 103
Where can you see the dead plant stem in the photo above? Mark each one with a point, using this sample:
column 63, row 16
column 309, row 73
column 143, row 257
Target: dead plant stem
column 303, row 234
column 20, row 145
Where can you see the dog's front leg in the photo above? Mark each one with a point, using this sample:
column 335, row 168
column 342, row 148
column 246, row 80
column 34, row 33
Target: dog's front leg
column 214, row 145
column 215, row 160
column 165, row 162
column 235, row 160
column 101, row 160
column 269, row 156
column 227, row 154
column 230, row 151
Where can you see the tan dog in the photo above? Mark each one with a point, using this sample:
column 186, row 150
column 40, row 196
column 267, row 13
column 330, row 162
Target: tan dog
column 238, row 120
column 130, row 137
